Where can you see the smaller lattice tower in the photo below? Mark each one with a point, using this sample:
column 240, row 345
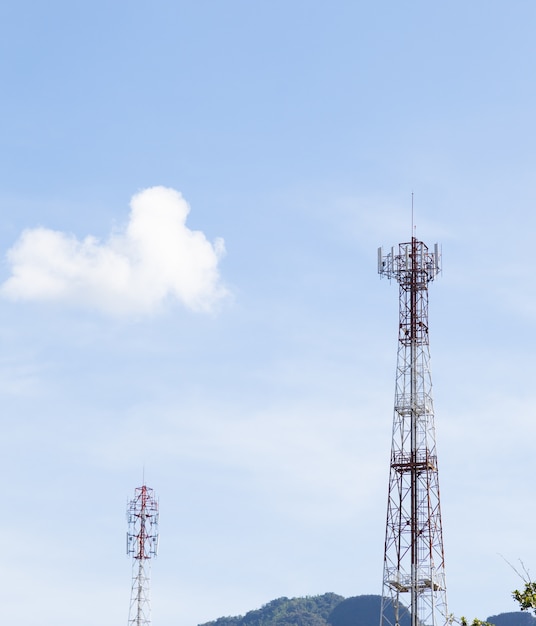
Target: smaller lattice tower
column 142, row 546
column 414, row 590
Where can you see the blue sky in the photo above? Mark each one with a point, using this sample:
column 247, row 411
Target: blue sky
column 254, row 385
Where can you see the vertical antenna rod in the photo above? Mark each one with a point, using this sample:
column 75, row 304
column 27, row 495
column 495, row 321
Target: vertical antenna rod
column 412, row 220
column 142, row 546
column 414, row 591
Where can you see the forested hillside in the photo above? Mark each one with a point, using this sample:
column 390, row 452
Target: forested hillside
column 331, row 609
column 513, row 619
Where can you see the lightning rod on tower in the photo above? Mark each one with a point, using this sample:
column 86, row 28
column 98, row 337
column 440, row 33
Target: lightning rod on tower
column 414, row 590
column 142, row 546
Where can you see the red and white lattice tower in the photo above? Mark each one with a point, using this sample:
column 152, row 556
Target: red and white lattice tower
column 414, row 590
column 142, row 546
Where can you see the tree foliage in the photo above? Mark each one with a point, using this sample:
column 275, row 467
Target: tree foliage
column 475, row 622
column 527, row 597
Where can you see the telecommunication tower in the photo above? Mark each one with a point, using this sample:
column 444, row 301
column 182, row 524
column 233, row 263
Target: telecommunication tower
column 414, row 591
column 142, row 546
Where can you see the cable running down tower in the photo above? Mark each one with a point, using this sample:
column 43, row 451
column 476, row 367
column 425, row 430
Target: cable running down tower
column 414, row 590
column 142, row 546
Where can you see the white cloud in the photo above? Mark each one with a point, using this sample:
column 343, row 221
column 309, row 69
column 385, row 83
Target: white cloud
column 156, row 257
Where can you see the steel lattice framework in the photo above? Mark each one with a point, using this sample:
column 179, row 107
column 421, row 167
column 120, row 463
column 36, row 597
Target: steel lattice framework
column 414, row 590
column 142, row 546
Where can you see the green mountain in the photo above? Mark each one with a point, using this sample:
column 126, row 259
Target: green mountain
column 331, row 609
column 512, row 619
column 325, row 610
column 308, row 611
